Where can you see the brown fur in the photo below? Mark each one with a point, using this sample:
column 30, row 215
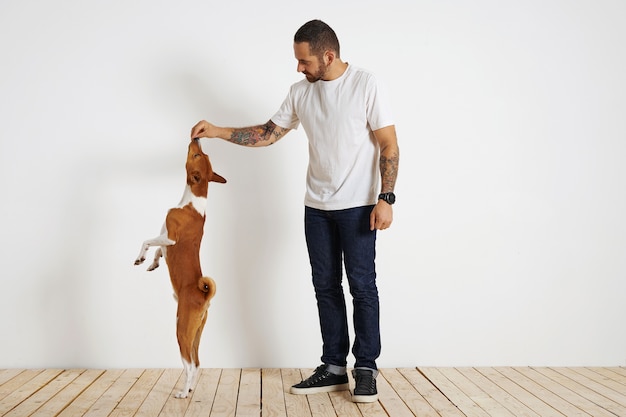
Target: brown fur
column 180, row 243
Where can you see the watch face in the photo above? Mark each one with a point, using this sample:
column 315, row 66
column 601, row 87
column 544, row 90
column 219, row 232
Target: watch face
column 388, row 197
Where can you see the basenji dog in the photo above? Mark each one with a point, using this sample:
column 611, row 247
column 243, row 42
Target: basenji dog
column 179, row 243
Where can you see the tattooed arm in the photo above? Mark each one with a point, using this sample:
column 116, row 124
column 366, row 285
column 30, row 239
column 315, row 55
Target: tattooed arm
column 389, row 157
column 382, row 215
column 261, row 135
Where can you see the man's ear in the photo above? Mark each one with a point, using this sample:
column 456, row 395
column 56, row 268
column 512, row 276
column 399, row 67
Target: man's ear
column 329, row 57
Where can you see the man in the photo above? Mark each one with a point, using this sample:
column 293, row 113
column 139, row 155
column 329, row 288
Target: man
column 353, row 165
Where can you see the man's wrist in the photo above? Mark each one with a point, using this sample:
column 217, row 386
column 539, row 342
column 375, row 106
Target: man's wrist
column 388, row 197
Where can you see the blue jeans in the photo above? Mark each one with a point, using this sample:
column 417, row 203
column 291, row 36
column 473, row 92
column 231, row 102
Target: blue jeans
column 332, row 236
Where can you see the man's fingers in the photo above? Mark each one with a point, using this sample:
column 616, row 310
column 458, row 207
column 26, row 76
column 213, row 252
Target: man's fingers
column 198, row 129
column 195, row 132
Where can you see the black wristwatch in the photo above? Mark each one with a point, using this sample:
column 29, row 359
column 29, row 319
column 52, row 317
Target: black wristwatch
column 389, row 198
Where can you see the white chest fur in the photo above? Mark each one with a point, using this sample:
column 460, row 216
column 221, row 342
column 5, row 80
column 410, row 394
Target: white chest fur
column 198, row 203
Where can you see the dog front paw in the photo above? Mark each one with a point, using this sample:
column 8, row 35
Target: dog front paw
column 154, row 266
column 139, row 261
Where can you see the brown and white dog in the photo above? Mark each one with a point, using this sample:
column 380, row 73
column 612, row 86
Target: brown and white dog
column 179, row 243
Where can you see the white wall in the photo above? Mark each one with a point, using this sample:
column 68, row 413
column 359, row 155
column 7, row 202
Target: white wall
column 509, row 241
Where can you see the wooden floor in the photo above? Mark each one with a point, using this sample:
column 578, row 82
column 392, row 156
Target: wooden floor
column 500, row 392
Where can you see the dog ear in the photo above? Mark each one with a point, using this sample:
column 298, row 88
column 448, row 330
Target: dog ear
column 218, row 178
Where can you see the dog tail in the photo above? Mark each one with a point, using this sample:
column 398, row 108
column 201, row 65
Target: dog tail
column 207, row 286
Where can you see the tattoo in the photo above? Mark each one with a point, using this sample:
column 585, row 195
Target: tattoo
column 253, row 136
column 389, row 170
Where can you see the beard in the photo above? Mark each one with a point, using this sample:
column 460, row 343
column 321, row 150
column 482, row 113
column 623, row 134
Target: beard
column 318, row 75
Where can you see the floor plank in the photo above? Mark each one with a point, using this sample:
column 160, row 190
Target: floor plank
column 343, row 405
column 204, row 394
column 547, row 396
column 618, row 391
column 27, row 389
column 89, row 396
column 104, row 405
column 509, row 402
column 225, row 404
column 620, row 370
column 44, row 393
column 12, row 384
column 465, row 404
column 390, row 399
column 567, row 394
column 431, row 393
column 612, row 374
column 295, row 405
column 531, row 401
column 66, row 396
column 476, row 394
column 403, row 392
column 137, row 394
column 249, row 396
column 177, row 406
column 593, row 396
column 320, row 404
column 8, row 374
column 411, row 397
column 272, row 395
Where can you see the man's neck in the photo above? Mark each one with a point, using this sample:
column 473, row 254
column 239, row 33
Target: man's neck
column 336, row 70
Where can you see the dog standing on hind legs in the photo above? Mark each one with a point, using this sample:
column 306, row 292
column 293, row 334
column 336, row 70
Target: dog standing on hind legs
column 179, row 243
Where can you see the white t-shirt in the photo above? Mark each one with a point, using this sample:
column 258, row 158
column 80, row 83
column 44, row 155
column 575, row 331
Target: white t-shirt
column 338, row 117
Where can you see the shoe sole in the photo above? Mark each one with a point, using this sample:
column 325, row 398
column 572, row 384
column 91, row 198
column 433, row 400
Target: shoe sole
column 364, row 398
column 317, row 390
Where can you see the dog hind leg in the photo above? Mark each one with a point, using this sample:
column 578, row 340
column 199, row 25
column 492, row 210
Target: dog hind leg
column 196, row 341
column 188, row 322
column 190, row 375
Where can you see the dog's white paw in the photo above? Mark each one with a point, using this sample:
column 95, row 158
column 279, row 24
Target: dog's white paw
column 154, row 266
column 182, row 394
column 139, row 261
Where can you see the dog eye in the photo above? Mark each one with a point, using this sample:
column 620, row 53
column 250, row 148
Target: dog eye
column 196, row 155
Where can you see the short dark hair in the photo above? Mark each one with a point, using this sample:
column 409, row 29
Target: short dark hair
column 320, row 37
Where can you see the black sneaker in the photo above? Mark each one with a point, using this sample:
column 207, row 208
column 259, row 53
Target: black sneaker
column 365, row 386
column 321, row 381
